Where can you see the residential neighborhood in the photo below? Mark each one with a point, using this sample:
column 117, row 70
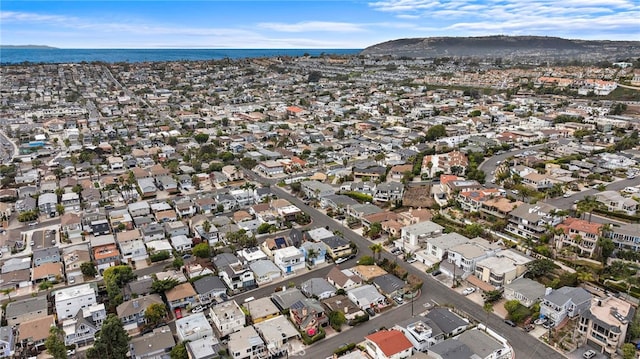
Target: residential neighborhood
column 391, row 208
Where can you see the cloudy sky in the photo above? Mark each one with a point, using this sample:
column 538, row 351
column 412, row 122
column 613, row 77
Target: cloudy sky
column 303, row 24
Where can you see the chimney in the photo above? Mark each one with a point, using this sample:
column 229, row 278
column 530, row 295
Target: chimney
column 548, row 290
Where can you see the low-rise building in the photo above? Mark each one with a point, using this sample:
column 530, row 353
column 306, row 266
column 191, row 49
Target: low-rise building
column 181, row 296
column 524, row 290
column 193, row 327
column 605, row 323
column 227, row 317
column 277, row 332
column 246, row 343
column 156, row 344
column 388, row 344
column 68, row 301
column 564, row 302
column 261, row 309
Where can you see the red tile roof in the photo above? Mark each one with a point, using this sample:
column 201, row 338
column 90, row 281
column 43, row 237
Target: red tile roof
column 391, row 342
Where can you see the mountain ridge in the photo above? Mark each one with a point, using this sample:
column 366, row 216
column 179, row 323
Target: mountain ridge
column 504, row 46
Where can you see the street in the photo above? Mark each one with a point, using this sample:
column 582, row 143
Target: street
column 524, row 345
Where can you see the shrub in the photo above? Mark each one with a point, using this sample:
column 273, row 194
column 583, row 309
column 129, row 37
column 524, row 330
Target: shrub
column 307, row 340
column 160, row 256
column 344, row 349
column 358, row 319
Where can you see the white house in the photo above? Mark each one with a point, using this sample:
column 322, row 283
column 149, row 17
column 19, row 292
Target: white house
column 69, row 301
column 181, row 243
column 289, row 259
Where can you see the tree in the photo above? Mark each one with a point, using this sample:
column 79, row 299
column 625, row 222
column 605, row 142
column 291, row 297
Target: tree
column 179, row 352
column 161, row 286
column 587, row 205
column 55, row 343
column 264, row 228
column 628, row 351
column 88, row 269
column 375, row 229
column 607, row 247
column 488, row 308
column 155, row 313
column 376, row 249
column 312, row 254
column 473, row 230
column 115, row 279
column 366, row 261
column 201, row 138
column 206, row 226
column 540, row 267
column 492, row 296
column 436, row 132
column 337, row 319
column 112, row 341
column 201, row 250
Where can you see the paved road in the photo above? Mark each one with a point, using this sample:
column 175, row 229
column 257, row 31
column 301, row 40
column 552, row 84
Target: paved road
column 563, row 202
column 525, row 346
column 489, row 166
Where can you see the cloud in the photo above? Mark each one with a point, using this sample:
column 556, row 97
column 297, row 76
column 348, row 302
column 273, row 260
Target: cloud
column 312, row 26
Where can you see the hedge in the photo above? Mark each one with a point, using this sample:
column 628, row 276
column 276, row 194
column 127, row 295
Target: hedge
column 160, row 256
column 307, row 340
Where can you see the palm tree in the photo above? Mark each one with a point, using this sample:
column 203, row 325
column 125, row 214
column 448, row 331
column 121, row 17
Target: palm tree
column 488, row 308
column 312, row 254
column 206, row 226
column 587, row 205
column 376, row 249
column 585, row 276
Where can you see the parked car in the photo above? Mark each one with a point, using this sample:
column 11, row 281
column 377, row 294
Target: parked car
column 197, row 309
column 509, row 322
column 178, row 313
column 398, row 299
column 539, row 321
column 529, row 327
column 371, row 312
column 547, row 325
column 436, row 272
column 468, row 291
column 589, row 354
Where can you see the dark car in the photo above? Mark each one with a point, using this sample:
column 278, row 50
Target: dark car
column 529, row 327
column 507, row 321
column 436, row 272
column 371, row 312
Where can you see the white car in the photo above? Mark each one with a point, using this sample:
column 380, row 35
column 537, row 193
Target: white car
column 589, row 354
column 468, row 291
column 197, row 309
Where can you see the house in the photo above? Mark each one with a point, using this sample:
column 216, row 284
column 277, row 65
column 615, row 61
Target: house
column 277, row 332
column 246, row 343
column 181, row 296
column 342, row 304
column 232, row 173
column 181, row 243
column 343, row 278
column 389, row 192
column 131, row 312
column 531, row 220
column 252, row 254
column 69, row 300
column 261, row 309
column 289, row 260
column 7, row 342
column 421, row 332
column 388, row 344
column 367, row 296
column 104, row 252
column 449, row 323
column 368, row 272
column 537, row 181
column 524, row 290
column 193, row 327
column 227, row 317
column 52, row 272
column 265, row 271
column 318, row 288
column 205, row 348
column 175, row 228
column 475, row 343
column 465, row 256
column 232, row 272
column 564, row 302
column 83, row 326
column 308, row 315
column 415, row 235
column 47, row 204
column 270, row 168
column 501, row 269
column 152, row 232
column 615, row 202
column 626, row 236
column 26, row 309
column 389, row 285
column 147, row 187
column 579, row 234
column 337, row 247
column 209, row 288
column 36, row 331
column 138, row 287
column 46, row 255
column 71, row 226
column 284, row 299
column 605, row 323
column 439, row 246
column 315, row 189
column 154, row 345
column 133, row 251
column 70, row 201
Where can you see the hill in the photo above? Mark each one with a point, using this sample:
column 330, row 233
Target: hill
column 513, row 47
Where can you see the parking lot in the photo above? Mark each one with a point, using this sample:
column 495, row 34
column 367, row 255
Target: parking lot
column 43, row 239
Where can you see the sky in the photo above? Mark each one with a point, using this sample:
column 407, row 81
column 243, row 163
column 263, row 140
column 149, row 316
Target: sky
column 303, row 24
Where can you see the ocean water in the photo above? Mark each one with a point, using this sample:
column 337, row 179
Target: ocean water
column 46, row 55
